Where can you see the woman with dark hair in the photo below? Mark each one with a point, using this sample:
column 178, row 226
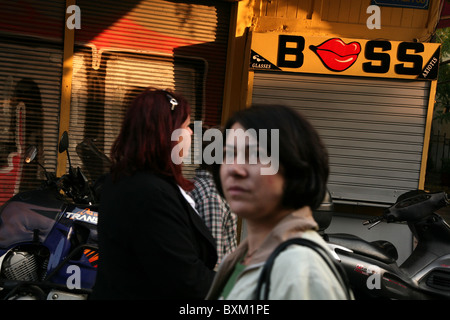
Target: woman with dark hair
column 152, row 244
column 276, row 206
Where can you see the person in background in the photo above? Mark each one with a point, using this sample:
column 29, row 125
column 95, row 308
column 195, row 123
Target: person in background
column 277, row 205
column 214, row 209
column 152, row 243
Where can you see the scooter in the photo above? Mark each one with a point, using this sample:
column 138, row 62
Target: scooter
column 372, row 268
column 48, row 237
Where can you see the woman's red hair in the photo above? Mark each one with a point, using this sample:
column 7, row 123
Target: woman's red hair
column 144, row 142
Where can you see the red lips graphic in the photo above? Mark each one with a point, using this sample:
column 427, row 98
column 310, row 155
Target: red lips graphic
column 336, row 55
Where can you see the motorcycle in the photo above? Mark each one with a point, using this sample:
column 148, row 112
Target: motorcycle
column 48, row 236
column 372, row 268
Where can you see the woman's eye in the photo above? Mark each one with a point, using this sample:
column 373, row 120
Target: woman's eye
column 228, row 154
column 252, row 155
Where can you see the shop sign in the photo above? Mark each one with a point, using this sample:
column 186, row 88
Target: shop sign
column 342, row 56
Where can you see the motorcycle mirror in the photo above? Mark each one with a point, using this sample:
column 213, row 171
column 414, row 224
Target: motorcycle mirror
column 64, row 146
column 30, row 154
column 63, row 142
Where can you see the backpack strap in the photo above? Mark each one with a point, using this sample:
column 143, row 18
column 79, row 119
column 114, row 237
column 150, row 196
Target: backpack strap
column 336, row 268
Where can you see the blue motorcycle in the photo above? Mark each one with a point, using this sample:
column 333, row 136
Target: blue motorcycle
column 48, row 236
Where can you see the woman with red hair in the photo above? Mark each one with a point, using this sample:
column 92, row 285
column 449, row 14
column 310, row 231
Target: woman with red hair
column 152, row 243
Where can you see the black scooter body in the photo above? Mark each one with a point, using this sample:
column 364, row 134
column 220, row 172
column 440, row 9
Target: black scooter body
column 372, row 266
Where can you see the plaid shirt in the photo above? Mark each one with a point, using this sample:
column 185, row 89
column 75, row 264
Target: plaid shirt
column 215, row 212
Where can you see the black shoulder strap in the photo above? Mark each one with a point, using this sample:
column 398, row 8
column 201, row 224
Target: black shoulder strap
column 336, row 268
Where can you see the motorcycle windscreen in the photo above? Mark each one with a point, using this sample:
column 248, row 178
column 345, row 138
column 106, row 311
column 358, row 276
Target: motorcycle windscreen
column 25, row 221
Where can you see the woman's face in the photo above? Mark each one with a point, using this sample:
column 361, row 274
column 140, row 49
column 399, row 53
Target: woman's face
column 251, row 195
column 187, row 134
column 184, row 137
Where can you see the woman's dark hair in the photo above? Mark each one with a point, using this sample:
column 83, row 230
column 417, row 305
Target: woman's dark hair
column 303, row 158
column 144, row 142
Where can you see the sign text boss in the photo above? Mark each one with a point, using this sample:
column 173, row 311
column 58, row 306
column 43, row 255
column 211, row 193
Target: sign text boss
column 378, row 52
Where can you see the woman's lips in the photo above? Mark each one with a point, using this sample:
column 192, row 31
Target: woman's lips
column 235, row 190
column 336, row 55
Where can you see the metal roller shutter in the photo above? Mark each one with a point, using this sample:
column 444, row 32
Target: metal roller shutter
column 124, row 48
column 30, row 78
column 373, row 128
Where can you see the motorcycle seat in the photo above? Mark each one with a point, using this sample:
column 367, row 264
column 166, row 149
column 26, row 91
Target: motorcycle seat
column 380, row 250
column 324, row 214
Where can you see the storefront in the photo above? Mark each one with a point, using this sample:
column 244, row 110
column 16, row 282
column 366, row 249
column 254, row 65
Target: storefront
column 371, row 101
column 372, row 105
column 78, row 63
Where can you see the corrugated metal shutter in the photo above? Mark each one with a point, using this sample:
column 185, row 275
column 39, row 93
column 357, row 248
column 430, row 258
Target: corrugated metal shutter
column 373, row 128
column 122, row 49
column 30, row 77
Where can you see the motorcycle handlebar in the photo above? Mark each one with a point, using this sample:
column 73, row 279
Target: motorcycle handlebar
column 417, row 207
column 412, row 208
column 76, row 186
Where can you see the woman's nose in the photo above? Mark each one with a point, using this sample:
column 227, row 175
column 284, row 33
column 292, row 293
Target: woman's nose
column 236, row 169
